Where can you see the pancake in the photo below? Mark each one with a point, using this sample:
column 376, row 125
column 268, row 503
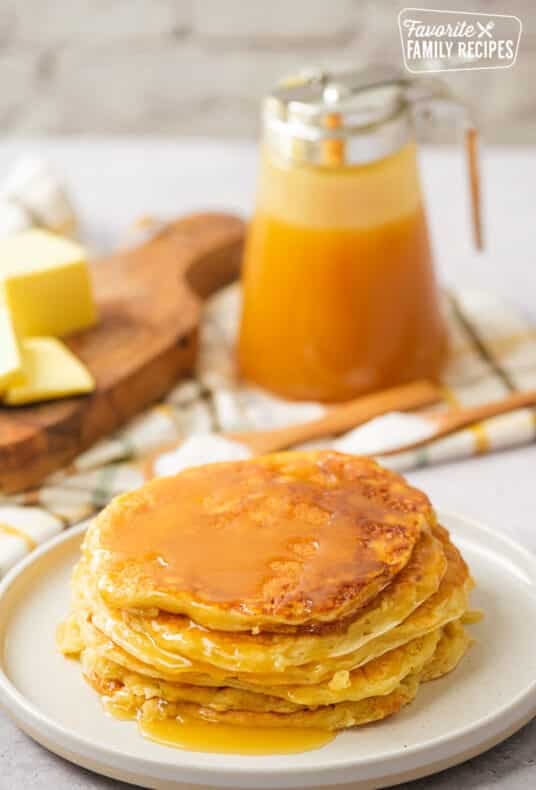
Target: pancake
column 300, row 590
column 170, row 635
column 136, row 652
column 382, row 693
column 128, row 691
column 315, row 535
column 327, row 717
column 245, row 709
column 452, row 647
column 377, row 678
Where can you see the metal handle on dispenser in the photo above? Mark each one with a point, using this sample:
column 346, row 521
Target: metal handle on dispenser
column 431, row 100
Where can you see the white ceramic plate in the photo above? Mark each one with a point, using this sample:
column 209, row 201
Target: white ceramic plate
column 489, row 696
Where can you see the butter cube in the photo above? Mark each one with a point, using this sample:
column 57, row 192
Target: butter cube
column 10, row 356
column 50, row 371
column 45, row 284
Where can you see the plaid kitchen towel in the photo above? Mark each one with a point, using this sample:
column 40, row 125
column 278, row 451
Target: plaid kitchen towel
column 493, row 352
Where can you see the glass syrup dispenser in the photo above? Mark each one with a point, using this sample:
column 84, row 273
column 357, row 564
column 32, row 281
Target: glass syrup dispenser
column 339, row 293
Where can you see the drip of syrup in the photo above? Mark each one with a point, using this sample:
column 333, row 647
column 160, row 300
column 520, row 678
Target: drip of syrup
column 186, row 732
column 200, row 736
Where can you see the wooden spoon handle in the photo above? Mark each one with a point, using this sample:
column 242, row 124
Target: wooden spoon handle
column 456, row 419
column 342, row 418
column 461, row 418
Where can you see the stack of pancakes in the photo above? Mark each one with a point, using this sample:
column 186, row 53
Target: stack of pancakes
column 303, row 589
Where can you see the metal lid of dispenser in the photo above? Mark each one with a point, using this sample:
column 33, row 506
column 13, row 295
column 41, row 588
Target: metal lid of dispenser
column 347, row 117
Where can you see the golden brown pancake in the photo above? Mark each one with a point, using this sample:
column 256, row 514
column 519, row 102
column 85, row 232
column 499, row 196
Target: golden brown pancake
column 296, row 590
column 285, row 542
column 166, row 635
column 448, row 603
column 377, row 678
column 326, row 717
column 452, row 647
column 379, row 689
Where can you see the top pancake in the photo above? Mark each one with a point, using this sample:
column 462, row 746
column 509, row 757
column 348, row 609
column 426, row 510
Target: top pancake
column 286, row 542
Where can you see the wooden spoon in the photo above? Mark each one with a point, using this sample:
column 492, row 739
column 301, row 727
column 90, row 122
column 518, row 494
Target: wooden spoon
column 448, row 422
column 341, row 418
column 336, row 420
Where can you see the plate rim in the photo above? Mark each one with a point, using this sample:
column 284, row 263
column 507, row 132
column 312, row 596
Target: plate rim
column 51, row 734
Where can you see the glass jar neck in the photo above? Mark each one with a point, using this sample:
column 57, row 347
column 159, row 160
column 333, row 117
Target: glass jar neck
column 354, row 196
column 337, row 146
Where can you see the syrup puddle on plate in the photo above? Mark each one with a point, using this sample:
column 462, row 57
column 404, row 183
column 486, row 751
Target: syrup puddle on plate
column 199, row 736
column 202, row 736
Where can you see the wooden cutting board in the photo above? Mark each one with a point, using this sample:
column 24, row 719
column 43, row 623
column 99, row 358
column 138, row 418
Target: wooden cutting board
column 149, row 300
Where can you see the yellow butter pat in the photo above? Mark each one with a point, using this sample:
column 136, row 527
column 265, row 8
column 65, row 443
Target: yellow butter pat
column 50, row 371
column 10, row 355
column 46, row 284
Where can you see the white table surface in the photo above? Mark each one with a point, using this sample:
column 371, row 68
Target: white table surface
column 113, row 181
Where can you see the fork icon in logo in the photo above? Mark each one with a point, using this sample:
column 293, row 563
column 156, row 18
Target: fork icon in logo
column 485, row 30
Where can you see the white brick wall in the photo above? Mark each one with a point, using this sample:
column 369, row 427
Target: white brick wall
column 19, row 82
column 79, row 22
column 275, row 22
column 200, row 66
